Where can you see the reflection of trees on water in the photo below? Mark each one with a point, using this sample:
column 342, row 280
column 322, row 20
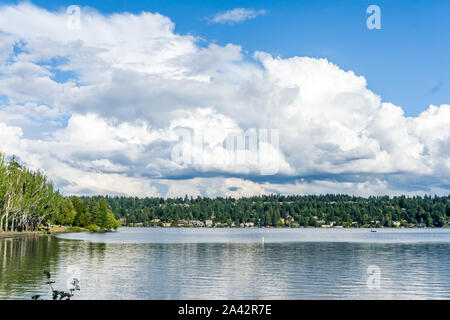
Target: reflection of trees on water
column 97, row 251
column 72, row 251
column 21, row 263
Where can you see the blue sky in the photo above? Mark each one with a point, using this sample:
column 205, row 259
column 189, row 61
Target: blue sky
column 406, row 62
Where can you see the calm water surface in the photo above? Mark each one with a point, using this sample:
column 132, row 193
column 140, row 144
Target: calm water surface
column 156, row 263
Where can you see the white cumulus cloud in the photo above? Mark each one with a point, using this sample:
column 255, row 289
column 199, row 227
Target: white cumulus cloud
column 102, row 109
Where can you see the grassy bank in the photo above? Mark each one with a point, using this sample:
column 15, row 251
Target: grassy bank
column 66, row 229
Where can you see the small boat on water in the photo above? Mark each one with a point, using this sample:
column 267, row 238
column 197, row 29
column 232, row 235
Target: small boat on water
column 371, row 230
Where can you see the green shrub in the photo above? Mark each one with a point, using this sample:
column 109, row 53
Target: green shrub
column 92, row 227
column 75, row 229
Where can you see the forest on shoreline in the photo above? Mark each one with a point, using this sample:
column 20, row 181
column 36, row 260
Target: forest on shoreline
column 29, row 202
column 283, row 211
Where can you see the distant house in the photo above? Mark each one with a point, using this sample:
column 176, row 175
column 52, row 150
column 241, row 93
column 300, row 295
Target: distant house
column 208, row 223
column 196, row 223
column 167, row 224
column 182, row 223
column 249, row 224
column 328, row 225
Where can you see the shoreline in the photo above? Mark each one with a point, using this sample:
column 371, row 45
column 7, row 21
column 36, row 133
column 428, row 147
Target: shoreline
column 10, row 235
column 61, row 229
column 54, row 230
column 283, row 227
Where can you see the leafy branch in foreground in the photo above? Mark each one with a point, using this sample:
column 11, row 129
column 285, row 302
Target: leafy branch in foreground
column 56, row 294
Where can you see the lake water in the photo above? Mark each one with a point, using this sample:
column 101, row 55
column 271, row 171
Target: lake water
column 177, row 263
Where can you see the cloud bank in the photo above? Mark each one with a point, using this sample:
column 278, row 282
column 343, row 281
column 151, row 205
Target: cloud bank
column 99, row 109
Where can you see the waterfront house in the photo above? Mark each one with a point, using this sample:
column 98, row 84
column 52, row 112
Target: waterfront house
column 196, row 223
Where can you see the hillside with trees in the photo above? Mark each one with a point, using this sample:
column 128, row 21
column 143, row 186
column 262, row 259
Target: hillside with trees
column 289, row 211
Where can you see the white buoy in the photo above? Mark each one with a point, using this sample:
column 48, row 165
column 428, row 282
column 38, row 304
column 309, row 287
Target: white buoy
column 262, row 241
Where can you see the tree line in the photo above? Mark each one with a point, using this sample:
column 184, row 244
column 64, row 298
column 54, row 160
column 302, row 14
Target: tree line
column 28, row 201
column 281, row 210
